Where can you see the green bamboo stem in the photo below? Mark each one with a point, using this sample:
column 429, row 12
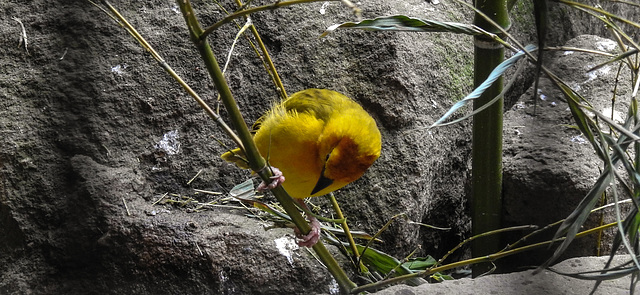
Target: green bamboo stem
column 345, row 228
column 487, row 161
column 486, row 196
column 256, row 162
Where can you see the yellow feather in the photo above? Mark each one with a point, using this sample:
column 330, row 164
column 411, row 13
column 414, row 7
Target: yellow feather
column 314, row 134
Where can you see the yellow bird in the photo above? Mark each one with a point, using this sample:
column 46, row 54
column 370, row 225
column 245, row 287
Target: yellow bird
column 320, row 140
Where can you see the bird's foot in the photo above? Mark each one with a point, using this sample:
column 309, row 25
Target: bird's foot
column 312, row 237
column 277, row 179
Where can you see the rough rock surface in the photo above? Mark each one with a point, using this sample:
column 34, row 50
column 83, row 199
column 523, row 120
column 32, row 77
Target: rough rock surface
column 95, row 133
column 524, row 283
column 549, row 167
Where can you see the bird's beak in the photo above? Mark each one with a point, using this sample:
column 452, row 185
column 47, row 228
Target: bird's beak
column 322, row 183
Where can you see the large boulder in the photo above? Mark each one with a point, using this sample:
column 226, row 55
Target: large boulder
column 95, row 133
column 549, row 167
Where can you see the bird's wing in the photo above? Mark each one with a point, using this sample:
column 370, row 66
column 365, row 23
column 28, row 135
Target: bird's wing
column 319, row 102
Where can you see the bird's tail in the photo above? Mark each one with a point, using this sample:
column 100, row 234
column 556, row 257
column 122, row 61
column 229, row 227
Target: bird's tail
column 237, row 157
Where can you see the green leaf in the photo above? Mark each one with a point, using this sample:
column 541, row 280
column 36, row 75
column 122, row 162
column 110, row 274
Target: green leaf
column 384, row 263
column 381, row 261
column 583, row 122
column 573, row 223
column 630, row 226
column 440, row 277
column 495, row 74
column 405, row 23
column 600, row 275
column 244, row 190
column 419, row 264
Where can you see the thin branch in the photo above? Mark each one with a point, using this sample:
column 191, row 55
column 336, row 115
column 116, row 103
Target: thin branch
column 248, row 11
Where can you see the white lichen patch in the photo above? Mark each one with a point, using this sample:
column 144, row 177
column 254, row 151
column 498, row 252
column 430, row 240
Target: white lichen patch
column 286, row 246
column 606, row 45
column 323, row 9
column 578, row 139
column 118, row 69
column 592, row 75
column 334, row 288
column 169, row 143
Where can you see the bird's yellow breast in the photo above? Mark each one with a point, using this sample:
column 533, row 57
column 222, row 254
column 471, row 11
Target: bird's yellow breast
column 289, row 141
column 314, row 133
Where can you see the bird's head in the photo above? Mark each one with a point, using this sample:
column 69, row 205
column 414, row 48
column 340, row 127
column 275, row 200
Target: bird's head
column 348, row 146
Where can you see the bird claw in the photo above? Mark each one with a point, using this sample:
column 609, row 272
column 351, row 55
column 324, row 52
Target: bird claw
column 277, row 179
column 312, row 237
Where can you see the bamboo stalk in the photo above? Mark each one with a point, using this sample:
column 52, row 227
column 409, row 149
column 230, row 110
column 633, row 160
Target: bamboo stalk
column 486, row 198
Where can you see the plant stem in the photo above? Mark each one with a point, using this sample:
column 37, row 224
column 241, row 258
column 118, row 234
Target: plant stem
column 256, row 161
column 345, row 228
column 271, row 67
column 522, row 227
column 486, row 196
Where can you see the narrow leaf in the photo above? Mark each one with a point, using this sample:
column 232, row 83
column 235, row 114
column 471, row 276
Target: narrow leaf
column 615, row 59
column 583, row 121
column 244, row 190
column 495, row 74
column 572, row 224
column 541, row 13
column 597, row 275
column 383, row 263
column 405, row 23
column 421, row 263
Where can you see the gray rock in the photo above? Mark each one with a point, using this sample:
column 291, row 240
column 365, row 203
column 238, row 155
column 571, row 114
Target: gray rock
column 526, row 283
column 549, row 166
column 84, row 111
column 94, row 132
